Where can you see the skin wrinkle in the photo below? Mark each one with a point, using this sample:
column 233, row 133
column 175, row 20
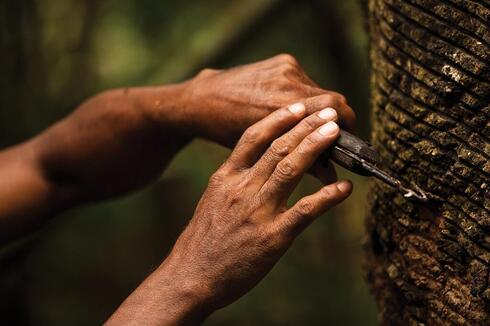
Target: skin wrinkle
column 243, row 244
column 121, row 140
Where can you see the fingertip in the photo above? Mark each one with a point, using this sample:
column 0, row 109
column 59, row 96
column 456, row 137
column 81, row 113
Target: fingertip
column 328, row 114
column 298, row 109
column 345, row 187
column 329, row 129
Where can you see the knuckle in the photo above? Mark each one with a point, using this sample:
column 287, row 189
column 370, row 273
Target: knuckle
column 307, row 145
column 286, row 69
column 323, row 101
column 337, row 97
column 286, row 86
column 330, row 192
column 278, row 81
column 207, row 72
column 286, row 169
column 218, row 177
column 279, row 148
column 310, row 91
column 309, row 123
column 330, row 99
column 305, row 208
column 286, row 57
column 251, row 135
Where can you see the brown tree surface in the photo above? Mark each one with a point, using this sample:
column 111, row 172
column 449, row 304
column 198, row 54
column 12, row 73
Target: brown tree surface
column 429, row 263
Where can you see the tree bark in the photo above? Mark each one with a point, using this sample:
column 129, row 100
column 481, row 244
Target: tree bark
column 429, row 263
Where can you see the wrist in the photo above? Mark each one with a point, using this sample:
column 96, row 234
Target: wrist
column 167, row 107
column 185, row 294
column 200, row 110
column 166, row 297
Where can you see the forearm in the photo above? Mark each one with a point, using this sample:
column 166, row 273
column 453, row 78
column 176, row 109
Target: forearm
column 25, row 195
column 167, row 297
column 113, row 143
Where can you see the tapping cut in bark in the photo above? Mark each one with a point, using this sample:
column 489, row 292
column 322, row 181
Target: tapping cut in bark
column 429, row 263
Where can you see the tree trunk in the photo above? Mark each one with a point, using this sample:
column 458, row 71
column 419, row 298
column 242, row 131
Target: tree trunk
column 429, row 263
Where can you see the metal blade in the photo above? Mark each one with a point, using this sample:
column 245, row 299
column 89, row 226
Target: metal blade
column 385, row 177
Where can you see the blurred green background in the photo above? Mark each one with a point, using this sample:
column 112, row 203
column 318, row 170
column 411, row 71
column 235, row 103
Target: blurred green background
column 78, row 269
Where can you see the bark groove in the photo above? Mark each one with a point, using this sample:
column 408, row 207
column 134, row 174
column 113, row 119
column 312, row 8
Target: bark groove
column 430, row 263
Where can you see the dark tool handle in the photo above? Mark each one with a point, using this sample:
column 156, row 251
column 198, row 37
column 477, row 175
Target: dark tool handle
column 358, row 148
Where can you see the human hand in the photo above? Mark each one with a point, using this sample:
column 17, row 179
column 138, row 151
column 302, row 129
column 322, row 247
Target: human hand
column 242, row 224
column 223, row 103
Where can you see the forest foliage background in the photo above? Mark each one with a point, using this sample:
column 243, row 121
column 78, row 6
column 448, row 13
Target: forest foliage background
column 56, row 53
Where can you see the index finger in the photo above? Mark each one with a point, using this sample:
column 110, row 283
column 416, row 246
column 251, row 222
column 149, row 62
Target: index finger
column 291, row 169
column 257, row 138
column 347, row 117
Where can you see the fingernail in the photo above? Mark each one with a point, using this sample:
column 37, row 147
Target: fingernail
column 328, row 114
column 297, row 108
column 329, row 128
column 345, row 186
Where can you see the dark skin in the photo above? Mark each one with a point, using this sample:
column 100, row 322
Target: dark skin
column 121, row 140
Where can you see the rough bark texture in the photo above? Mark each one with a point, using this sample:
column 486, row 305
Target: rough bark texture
column 429, row 263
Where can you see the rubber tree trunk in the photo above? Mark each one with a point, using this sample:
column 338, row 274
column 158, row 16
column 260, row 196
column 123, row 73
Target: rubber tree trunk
column 429, row 263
